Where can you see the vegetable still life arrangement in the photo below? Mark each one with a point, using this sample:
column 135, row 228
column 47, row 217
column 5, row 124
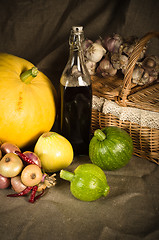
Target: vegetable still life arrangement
column 109, row 149
column 27, row 104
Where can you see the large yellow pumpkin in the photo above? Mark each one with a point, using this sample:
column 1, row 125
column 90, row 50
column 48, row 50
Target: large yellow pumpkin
column 27, row 101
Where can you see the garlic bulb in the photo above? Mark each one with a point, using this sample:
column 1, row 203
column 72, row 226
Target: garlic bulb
column 128, row 46
column 99, row 41
column 123, row 63
column 95, row 52
column 137, row 74
column 105, row 68
column 144, row 79
column 91, row 66
column 86, row 44
column 112, row 43
column 141, row 77
column 151, row 64
column 119, row 61
column 115, row 60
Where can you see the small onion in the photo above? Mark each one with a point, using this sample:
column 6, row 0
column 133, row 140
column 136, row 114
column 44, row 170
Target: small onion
column 4, row 182
column 33, row 156
column 10, row 165
column 31, row 175
column 8, row 147
column 17, row 184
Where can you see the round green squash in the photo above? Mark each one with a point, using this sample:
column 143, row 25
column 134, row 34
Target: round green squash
column 110, row 148
column 87, row 183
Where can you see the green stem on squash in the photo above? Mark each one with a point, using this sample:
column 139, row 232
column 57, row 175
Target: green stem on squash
column 28, row 75
column 99, row 135
column 66, row 175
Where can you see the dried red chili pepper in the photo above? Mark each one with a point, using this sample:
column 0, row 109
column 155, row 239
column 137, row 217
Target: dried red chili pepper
column 24, row 192
column 38, row 196
column 32, row 197
column 25, row 158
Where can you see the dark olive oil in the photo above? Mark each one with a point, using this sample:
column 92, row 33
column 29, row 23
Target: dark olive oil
column 76, row 111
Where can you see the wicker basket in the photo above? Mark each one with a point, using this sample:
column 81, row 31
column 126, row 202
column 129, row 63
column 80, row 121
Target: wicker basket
column 121, row 91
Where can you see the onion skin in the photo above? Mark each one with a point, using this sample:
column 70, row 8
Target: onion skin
column 8, row 147
column 10, row 165
column 31, row 175
column 17, row 184
column 4, row 182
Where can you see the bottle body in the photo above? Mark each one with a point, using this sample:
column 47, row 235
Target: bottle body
column 76, row 101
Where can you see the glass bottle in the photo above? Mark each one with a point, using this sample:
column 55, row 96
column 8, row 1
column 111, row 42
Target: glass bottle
column 76, row 96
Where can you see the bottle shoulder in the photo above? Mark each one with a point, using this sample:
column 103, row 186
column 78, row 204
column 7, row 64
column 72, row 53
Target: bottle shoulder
column 74, row 80
column 75, row 75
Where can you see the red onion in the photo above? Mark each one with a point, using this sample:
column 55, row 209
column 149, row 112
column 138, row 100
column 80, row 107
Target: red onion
column 33, row 156
column 4, row 182
column 8, row 147
column 17, row 184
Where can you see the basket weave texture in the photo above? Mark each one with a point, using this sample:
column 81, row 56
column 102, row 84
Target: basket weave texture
column 128, row 96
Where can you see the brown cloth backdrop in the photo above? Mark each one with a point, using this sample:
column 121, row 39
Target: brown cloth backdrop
column 38, row 31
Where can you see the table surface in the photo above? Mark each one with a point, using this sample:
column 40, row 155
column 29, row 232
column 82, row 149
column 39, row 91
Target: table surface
column 130, row 211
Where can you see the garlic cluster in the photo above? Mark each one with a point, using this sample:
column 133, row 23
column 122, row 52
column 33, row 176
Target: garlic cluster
column 93, row 52
column 146, row 71
column 106, row 56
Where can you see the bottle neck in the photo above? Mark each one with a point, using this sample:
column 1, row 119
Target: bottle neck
column 76, row 53
column 76, row 57
column 75, row 40
column 75, row 72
